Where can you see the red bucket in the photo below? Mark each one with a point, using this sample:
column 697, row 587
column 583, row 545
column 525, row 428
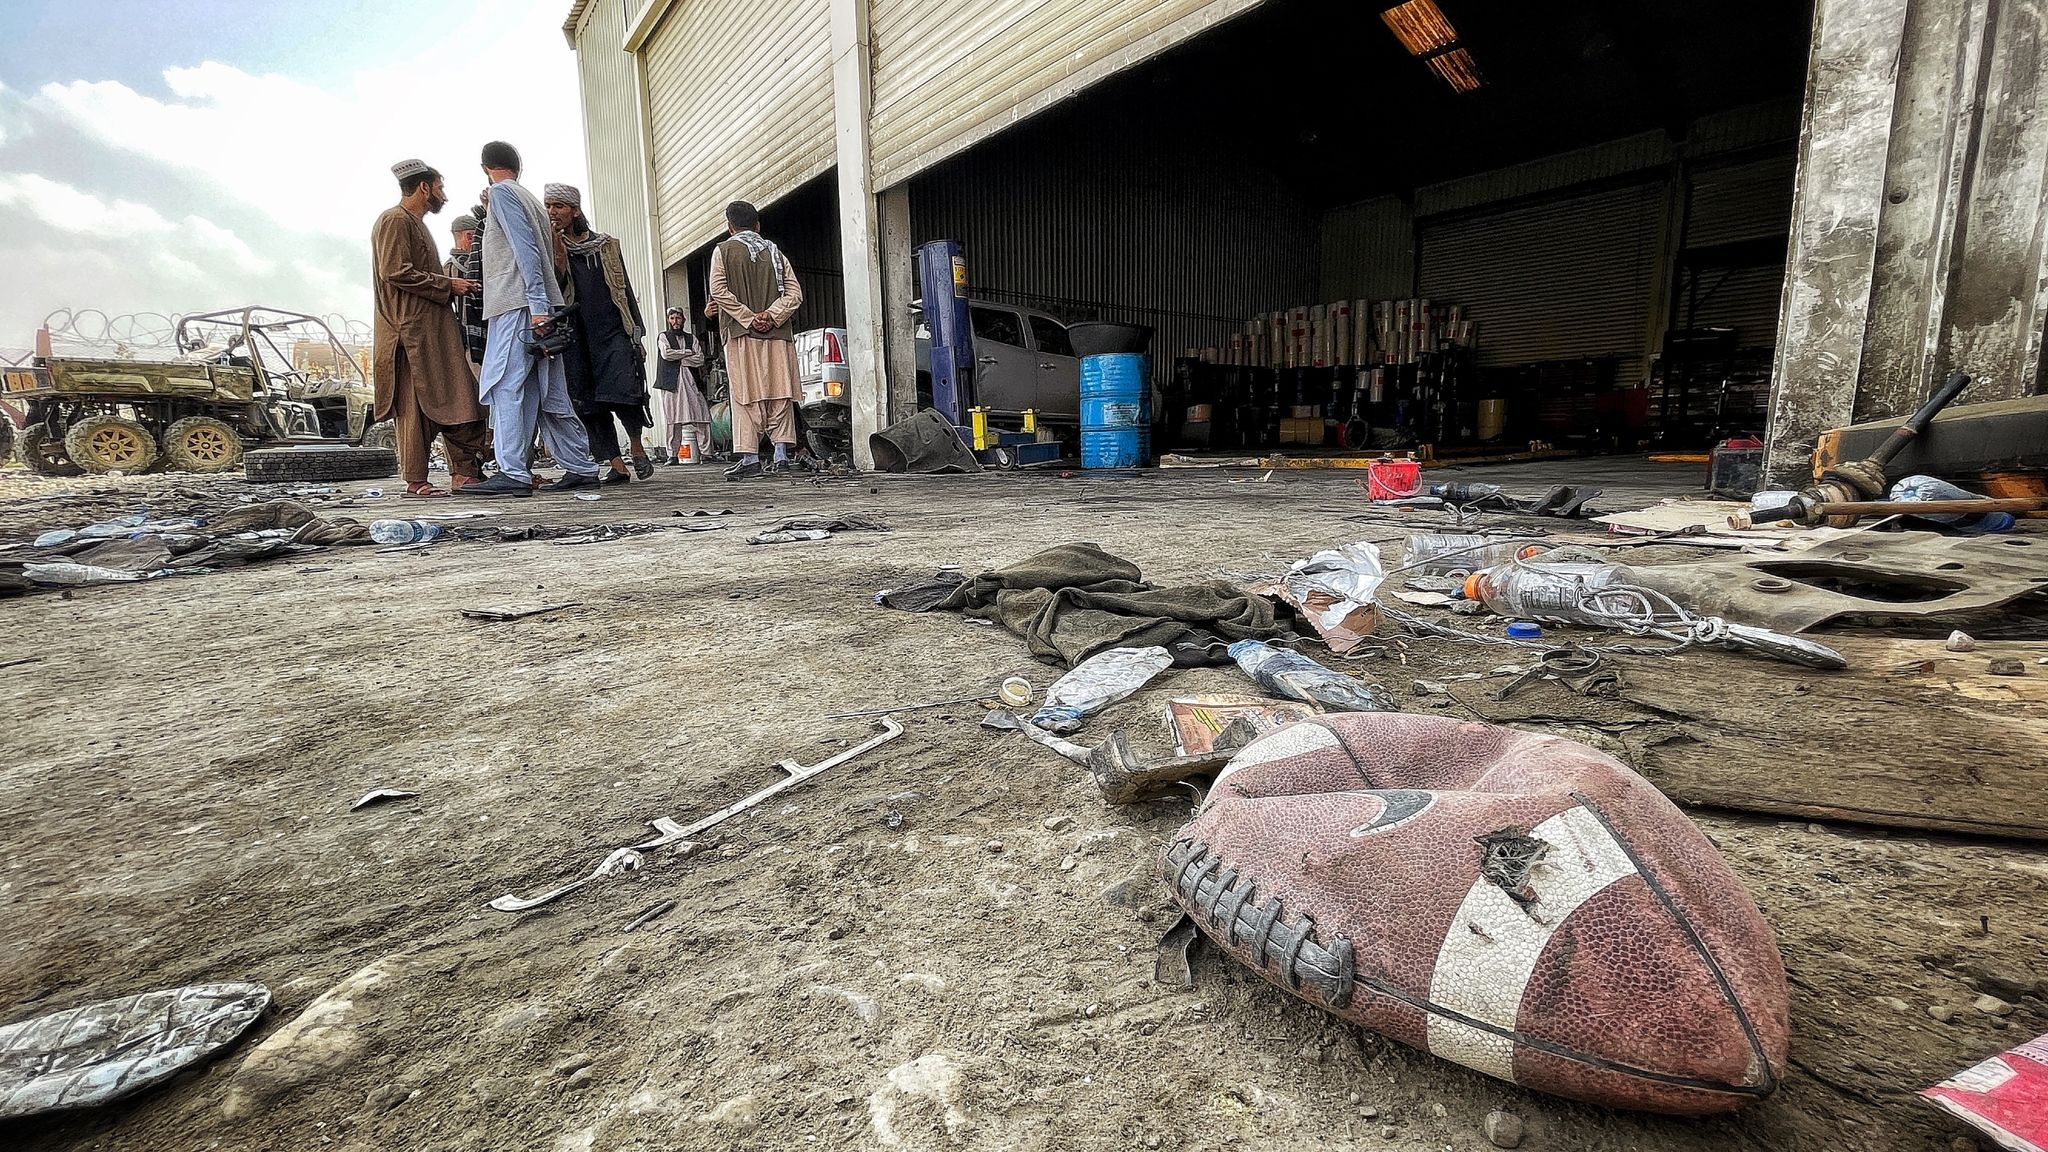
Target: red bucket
column 1393, row 479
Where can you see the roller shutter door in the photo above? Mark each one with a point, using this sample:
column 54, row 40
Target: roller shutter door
column 949, row 72
column 615, row 149
column 1560, row 280
column 739, row 108
column 1733, row 204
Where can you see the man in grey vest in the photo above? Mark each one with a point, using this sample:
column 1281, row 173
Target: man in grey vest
column 756, row 293
column 526, row 389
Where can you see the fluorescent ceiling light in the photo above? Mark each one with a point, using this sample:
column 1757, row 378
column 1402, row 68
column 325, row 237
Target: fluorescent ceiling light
column 1457, row 68
column 1426, row 32
column 1420, row 26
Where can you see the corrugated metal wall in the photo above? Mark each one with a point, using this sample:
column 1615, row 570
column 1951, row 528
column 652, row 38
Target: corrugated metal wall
column 614, row 148
column 740, row 97
column 1733, row 203
column 1086, row 225
column 1369, row 251
column 949, row 72
column 1557, row 279
column 1642, row 152
column 1752, row 125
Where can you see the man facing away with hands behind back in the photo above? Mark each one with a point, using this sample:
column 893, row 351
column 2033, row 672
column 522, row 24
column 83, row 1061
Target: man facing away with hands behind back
column 756, row 293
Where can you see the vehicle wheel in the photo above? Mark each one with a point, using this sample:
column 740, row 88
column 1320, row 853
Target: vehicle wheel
column 201, row 444
column 830, row 446
column 101, row 444
column 383, row 435
column 7, row 437
column 318, row 462
column 44, row 453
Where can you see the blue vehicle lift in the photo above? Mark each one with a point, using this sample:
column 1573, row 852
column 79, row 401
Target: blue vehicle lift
column 942, row 279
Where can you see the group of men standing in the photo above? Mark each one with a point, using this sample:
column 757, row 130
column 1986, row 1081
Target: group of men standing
column 532, row 328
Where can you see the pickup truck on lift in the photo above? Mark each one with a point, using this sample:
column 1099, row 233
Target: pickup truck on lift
column 1023, row 359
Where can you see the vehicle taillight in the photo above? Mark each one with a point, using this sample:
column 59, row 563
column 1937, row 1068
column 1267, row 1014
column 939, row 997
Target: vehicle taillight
column 832, row 353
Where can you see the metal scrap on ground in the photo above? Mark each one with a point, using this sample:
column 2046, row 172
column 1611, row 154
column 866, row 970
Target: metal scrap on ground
column 499, row 615
column 91, row 1055
column 629, row 858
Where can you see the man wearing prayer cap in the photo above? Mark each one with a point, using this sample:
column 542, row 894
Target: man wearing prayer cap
column 424, row 384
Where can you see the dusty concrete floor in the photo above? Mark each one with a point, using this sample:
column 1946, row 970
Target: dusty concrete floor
column 178, row 768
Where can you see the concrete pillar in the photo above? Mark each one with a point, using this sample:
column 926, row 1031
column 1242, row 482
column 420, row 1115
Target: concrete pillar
column 1918, row 214
column 859, row 240
column 899, row 288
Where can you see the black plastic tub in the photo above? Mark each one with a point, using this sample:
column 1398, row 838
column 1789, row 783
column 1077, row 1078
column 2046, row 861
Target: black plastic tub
column 1096, row 337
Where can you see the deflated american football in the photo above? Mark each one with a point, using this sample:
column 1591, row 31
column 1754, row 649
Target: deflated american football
column 1518, row 903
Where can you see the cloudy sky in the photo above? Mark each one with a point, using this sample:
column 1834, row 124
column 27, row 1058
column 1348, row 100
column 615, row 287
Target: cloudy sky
column 191, row 155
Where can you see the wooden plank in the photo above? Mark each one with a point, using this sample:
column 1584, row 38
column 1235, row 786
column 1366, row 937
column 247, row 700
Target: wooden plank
column 1913, row 736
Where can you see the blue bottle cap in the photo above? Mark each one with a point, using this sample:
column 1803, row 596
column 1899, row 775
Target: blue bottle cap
column 1523, row 630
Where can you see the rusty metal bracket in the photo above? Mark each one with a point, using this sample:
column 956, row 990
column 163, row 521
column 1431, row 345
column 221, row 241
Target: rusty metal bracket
column 1905, row 574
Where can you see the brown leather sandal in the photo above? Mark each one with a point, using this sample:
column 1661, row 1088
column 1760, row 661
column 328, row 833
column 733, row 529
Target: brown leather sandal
column 422, row 490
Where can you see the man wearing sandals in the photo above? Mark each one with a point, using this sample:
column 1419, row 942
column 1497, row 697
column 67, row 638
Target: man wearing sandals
column 424, row 383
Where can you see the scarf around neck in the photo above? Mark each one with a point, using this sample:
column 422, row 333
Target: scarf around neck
column 586, row 246
column 757, row 244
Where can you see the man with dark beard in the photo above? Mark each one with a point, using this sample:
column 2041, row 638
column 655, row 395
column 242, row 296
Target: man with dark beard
column 607, row 365
column 423, row 379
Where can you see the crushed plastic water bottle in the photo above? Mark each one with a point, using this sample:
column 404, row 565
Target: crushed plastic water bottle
column 1533, row 590
column 404, row 531
column 66, row 575
column 1096, row 683
column 1930, row 488
column 1299, row 678
column 1445, row 553
column 56, row 536
column 119, row 526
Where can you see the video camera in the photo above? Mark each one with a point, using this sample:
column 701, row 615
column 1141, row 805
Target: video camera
column 554, row 337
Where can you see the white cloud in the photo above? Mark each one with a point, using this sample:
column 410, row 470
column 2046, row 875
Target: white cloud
column 68, row 209
column 208, row 236
column 319, row 159
column 226, row 186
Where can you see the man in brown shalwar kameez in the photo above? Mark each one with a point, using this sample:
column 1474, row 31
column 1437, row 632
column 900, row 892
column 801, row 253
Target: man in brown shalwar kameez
column 756, row 292
column 424, row 381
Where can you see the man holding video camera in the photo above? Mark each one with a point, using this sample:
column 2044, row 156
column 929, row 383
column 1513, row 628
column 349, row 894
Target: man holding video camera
column 525, row 332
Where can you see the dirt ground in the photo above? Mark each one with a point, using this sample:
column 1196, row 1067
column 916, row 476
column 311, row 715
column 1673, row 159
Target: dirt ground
column 897, row 954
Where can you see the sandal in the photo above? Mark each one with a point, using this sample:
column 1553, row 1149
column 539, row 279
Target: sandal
column 643, row 467
column 422, row 490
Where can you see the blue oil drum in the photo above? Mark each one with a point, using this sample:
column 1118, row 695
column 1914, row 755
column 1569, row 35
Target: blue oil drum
column 1145, row 430
column 1114, row 391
